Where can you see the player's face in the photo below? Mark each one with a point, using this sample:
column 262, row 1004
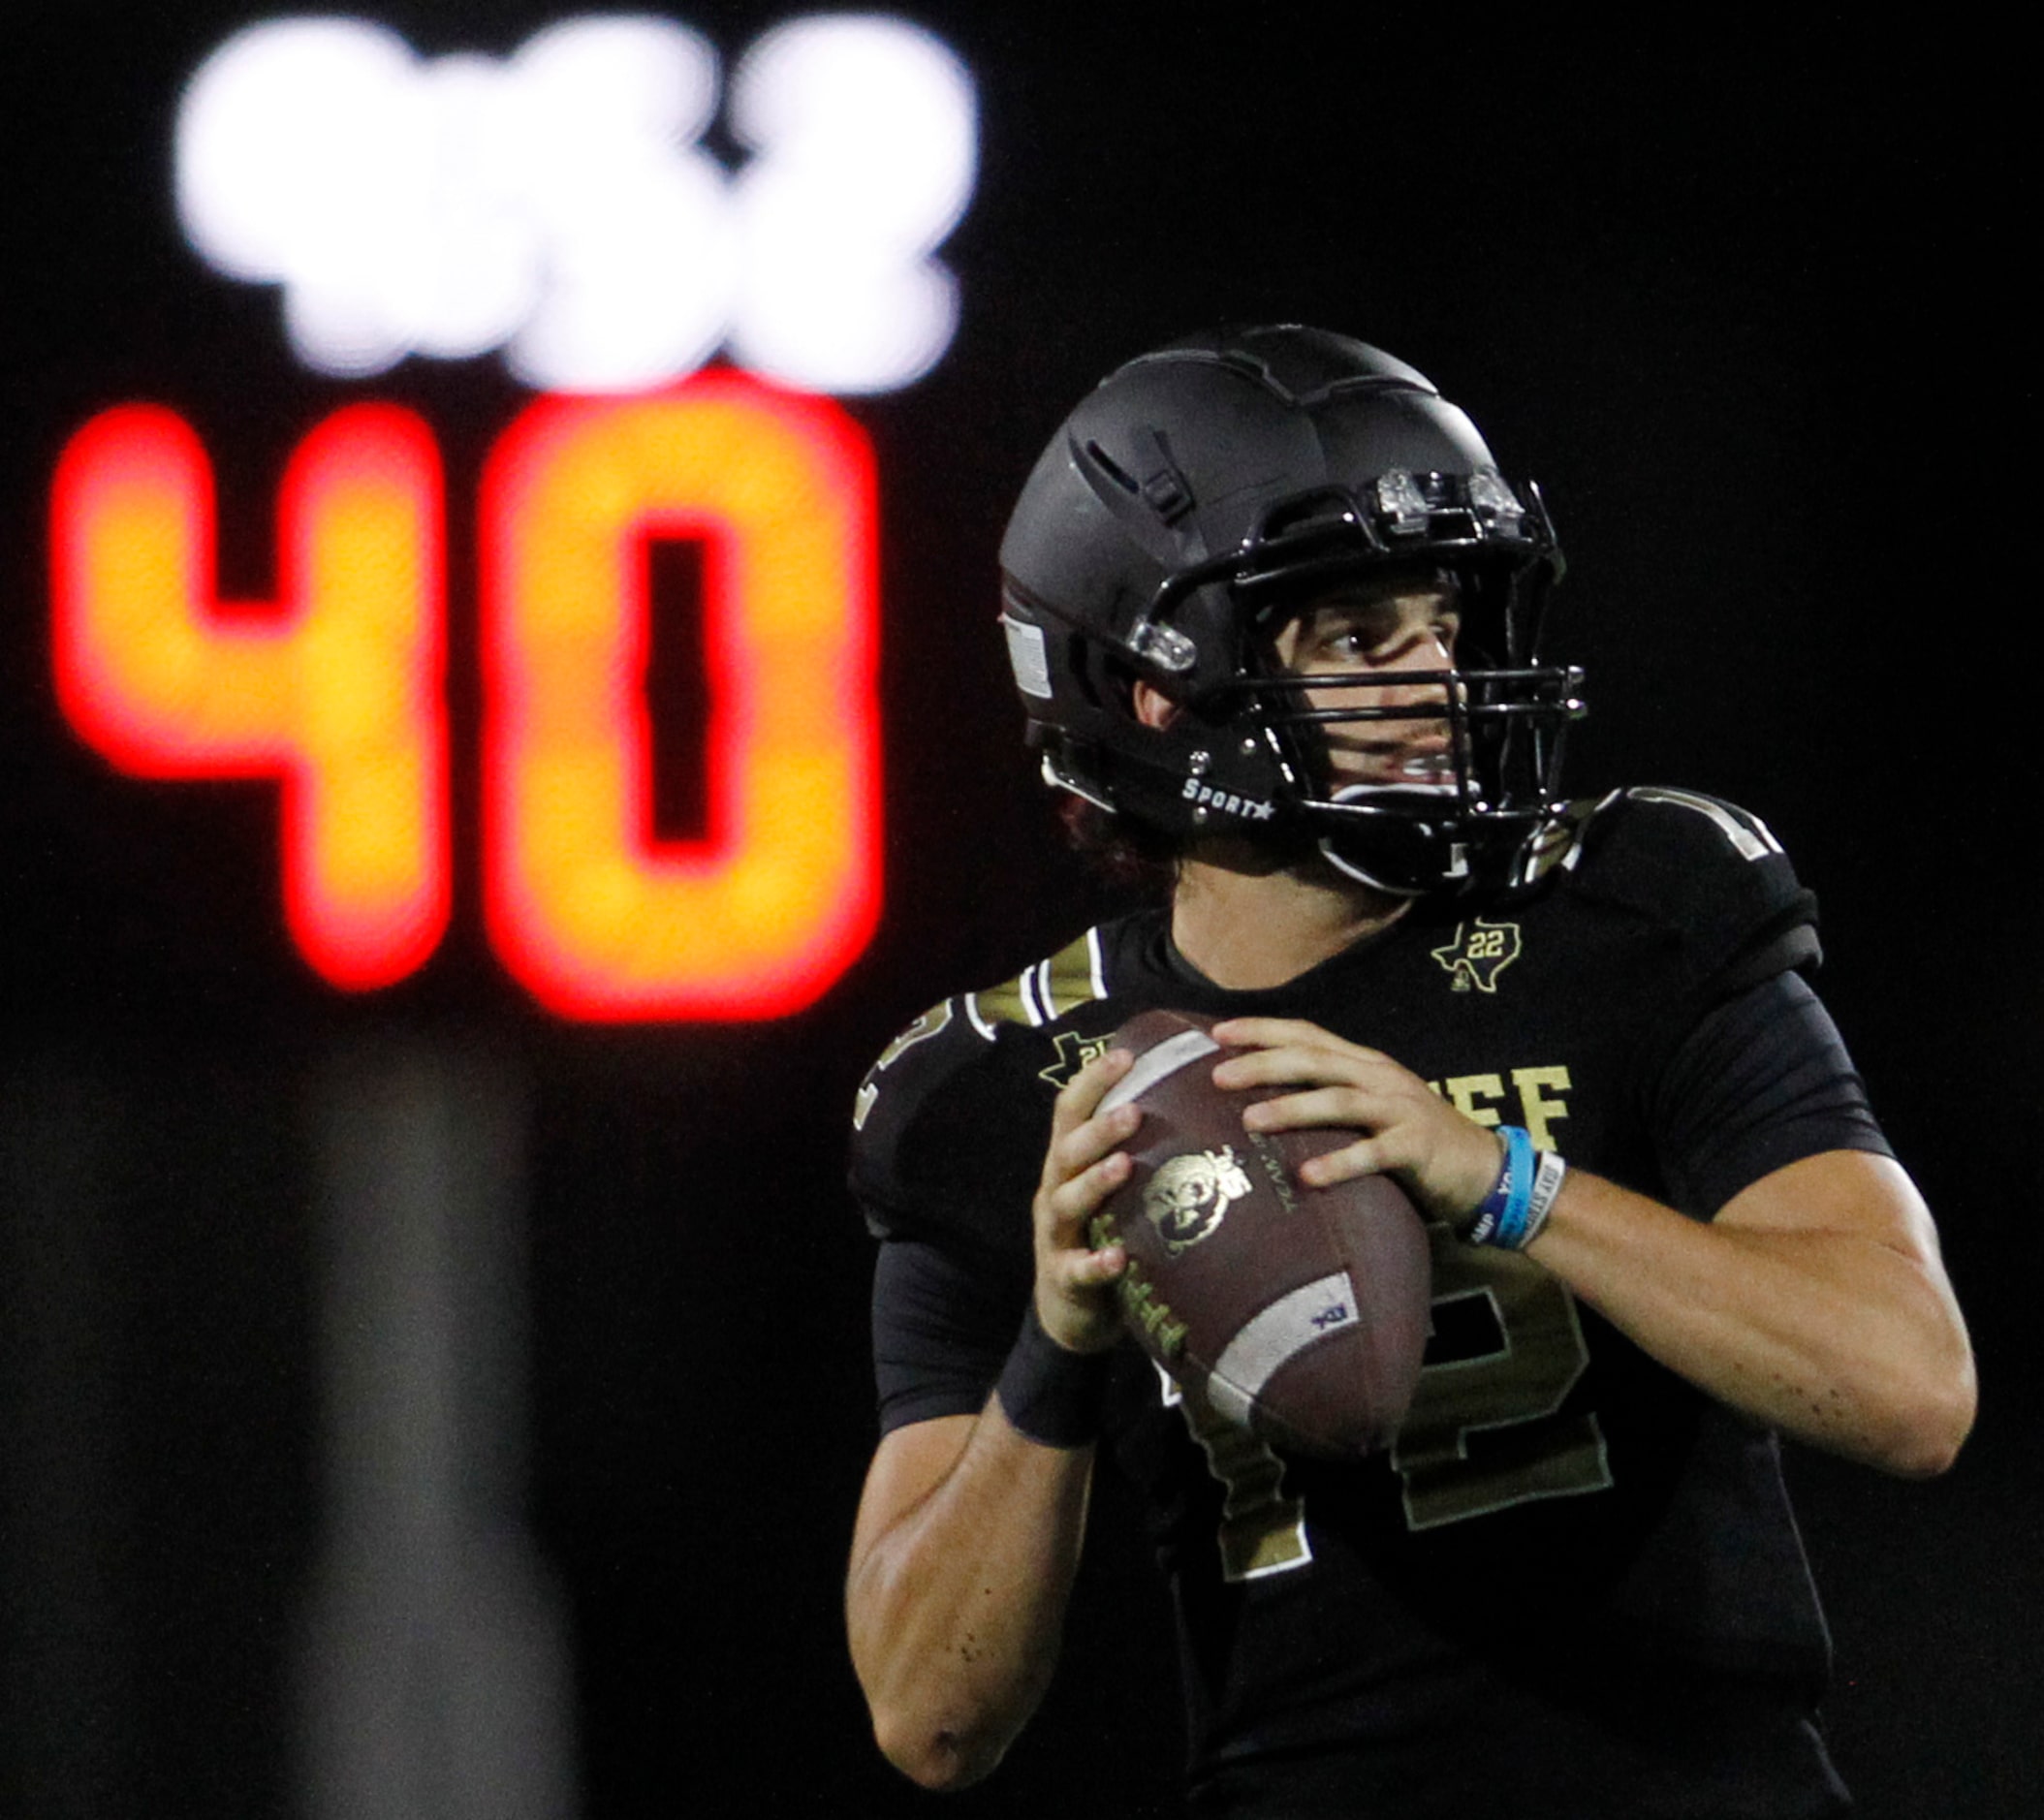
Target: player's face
column 1390, row 629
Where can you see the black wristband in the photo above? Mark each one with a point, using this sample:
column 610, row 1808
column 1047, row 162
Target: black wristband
column 1052, row 1396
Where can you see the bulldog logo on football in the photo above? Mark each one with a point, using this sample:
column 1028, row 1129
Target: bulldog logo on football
column 1189, row 1196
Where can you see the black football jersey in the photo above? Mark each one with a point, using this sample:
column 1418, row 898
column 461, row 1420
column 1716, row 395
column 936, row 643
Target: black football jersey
column 1563, row 1522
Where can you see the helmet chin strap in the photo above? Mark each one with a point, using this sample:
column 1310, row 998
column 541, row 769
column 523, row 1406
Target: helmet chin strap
column 1351, row 867
column 1398, row 852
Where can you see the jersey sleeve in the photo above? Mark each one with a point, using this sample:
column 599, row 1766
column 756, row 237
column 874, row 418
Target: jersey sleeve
column 914, row 1149
column 947, row 1143
column 1741, row 1067
column 941, row 1331
column 1716, row 883
column 1762, row 1080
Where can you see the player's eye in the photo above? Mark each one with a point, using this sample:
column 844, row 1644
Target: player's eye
column 1356, row 639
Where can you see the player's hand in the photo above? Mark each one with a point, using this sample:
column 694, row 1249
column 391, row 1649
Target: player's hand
column 1445, row 1161
column 1085, row 1164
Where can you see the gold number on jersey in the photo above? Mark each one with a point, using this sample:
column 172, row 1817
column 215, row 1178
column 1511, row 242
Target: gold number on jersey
column 1262, row 1531
column 932, row 1020
column 1483, row 1432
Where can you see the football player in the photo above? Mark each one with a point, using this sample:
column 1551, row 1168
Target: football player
column 1274, row 615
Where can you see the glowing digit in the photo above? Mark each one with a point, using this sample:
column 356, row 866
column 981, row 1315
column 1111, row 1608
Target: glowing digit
column 334, row 689
column 595, row 917
column 864, row 133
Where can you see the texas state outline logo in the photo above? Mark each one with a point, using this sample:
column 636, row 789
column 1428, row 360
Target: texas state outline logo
column 1478, row 952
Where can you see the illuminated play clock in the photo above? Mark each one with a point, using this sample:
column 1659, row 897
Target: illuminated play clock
column 553, row 205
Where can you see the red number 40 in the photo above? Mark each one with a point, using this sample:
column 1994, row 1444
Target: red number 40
column 335, row 689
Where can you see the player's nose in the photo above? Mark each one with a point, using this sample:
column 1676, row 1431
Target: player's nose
column 1415, row 677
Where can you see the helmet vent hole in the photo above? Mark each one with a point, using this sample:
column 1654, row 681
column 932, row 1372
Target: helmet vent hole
column 1112, row 469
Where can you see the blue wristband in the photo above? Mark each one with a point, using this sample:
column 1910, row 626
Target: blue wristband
column 1501, row 1216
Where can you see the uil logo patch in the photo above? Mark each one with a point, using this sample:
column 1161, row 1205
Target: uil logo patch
column 1189, row 1196
column 1478, row 953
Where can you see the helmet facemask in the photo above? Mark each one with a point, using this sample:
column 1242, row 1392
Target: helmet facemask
column 1489, row 789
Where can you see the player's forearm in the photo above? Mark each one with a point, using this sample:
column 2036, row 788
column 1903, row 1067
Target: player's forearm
column 1846, row 1342
column 955, row 1611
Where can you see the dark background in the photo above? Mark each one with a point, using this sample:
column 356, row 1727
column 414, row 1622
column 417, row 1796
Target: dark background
column 1743, row 294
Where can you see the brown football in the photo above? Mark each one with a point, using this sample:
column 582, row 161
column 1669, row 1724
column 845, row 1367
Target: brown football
column 1299, row 1313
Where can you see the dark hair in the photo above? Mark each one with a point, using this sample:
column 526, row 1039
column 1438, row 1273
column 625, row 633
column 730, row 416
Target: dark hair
column 1125, row 853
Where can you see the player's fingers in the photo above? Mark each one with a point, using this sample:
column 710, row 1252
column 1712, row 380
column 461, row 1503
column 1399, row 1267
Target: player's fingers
column 1448, row 1171
column 1079, row 1097
column 1322, row 1105
column 1077, row 1150
column 1093, row 1269
column 1075, row 1296
column 1070, row 1204
column 1285, row 1033
column 1298, row 1063
column 1262, row 1032
column 1366, row 1156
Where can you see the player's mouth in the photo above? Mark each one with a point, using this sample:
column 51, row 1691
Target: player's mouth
column 1433, row 765
column 1428, row 766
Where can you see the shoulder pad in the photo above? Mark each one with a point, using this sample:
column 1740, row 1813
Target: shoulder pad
column 1684, row 816
column 1708, row 872
column 950, row 1109
column 1041, row 994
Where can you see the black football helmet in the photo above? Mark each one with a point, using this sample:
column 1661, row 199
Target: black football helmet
column 1205, row 492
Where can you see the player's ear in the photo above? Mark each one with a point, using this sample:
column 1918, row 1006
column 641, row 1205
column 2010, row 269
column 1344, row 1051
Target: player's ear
column 1152, row 706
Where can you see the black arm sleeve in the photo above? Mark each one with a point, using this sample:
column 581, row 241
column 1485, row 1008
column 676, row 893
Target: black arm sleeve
column 1761, row 1082
column 941, row 1331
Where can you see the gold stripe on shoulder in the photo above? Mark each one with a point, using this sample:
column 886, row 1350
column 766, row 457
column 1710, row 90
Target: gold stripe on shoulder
column 1043, row 992
column 1071, row 975
column 998, row 1005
